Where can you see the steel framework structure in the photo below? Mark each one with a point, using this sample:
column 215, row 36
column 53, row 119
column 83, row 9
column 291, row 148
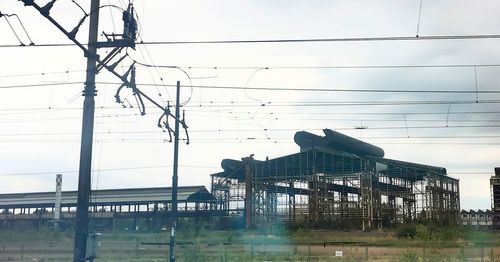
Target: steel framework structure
column 320, row 188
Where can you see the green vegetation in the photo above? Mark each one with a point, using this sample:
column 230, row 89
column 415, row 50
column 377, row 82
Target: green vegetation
column 446, row 234
column 34, row 235
column 277, row 243
column 276, row 233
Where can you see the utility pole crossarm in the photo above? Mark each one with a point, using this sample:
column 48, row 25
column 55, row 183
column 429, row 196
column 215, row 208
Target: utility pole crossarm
column 45, row 11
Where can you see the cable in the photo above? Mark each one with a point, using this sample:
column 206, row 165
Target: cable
column 12, row 28
column 46, row 109
column 419, row 16
column 79, row 6
column 368, row 113
column 154, row 82
column 326, row 89
column 42, row 73
column 282, row 67
column 171, row 67
column 59, row 118
column 339, row 66
column 348, row 39
column 232, row 140
column 349, row 103
column 279, row 88
column 297, row 40
column 245, row 88
column 341, row 128
column 158, row 132
column 103, row 170
column 41, row 85
column 289, row 130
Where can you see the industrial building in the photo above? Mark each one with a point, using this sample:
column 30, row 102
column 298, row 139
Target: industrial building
column 495, row 198
column 335, row 180
column 149, row 207
column 478, row 218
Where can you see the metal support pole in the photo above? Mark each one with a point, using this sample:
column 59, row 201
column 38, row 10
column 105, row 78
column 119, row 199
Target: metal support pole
column 249, row 219
column 174, row 176
column 82, row 209
column 57, row 205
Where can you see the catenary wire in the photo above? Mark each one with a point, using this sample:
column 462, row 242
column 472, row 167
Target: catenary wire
column 296, row 40
column 103, row 170
column 279, row 67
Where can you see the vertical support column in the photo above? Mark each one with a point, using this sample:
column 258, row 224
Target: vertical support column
column 57, row 205
column 457, row 202
column 344, row 201
column 313, row 199
column 495, row 198
column 291, row 202
column 82, row 212
column 366, row 184
column 175, row 176
column 392, row 208
column 376, row 200
column 247, row 162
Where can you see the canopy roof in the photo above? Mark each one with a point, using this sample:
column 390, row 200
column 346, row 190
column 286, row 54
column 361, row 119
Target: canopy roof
column 109, row 197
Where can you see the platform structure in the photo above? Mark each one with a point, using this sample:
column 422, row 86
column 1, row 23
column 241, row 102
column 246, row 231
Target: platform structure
column 148, row 206
column 329, row 189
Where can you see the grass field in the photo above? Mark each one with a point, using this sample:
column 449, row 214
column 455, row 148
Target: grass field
column 417, row 243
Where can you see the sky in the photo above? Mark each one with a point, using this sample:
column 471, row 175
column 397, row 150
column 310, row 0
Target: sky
column 41, row 103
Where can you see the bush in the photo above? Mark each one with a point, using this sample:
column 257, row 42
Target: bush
column 421, row 232
column 406, row 231
column 410, row 257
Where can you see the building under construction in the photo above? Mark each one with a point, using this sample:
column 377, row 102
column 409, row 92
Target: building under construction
column 335, row 180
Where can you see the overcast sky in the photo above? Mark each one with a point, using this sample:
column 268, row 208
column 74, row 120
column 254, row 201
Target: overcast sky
column 40, row 125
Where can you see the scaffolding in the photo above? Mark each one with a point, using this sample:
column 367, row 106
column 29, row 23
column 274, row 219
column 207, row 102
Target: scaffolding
column 319, row 188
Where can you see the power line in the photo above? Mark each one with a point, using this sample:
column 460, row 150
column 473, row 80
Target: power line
column 324, row 103
column 166, row 166
column 278, row 118
column 47, row 109
column 102, row 170
column 343, row 90
column 355, row 113
column 334, row 66
column 157, row 132
column 41, row 85
column 233, row 140
column 296, row 40
column 222, row 67
column 268, row 130
column 345, row 39
column 348, row 103
column 341, row 128
column 275, row 88
column 43, row 73
column 61, row 118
